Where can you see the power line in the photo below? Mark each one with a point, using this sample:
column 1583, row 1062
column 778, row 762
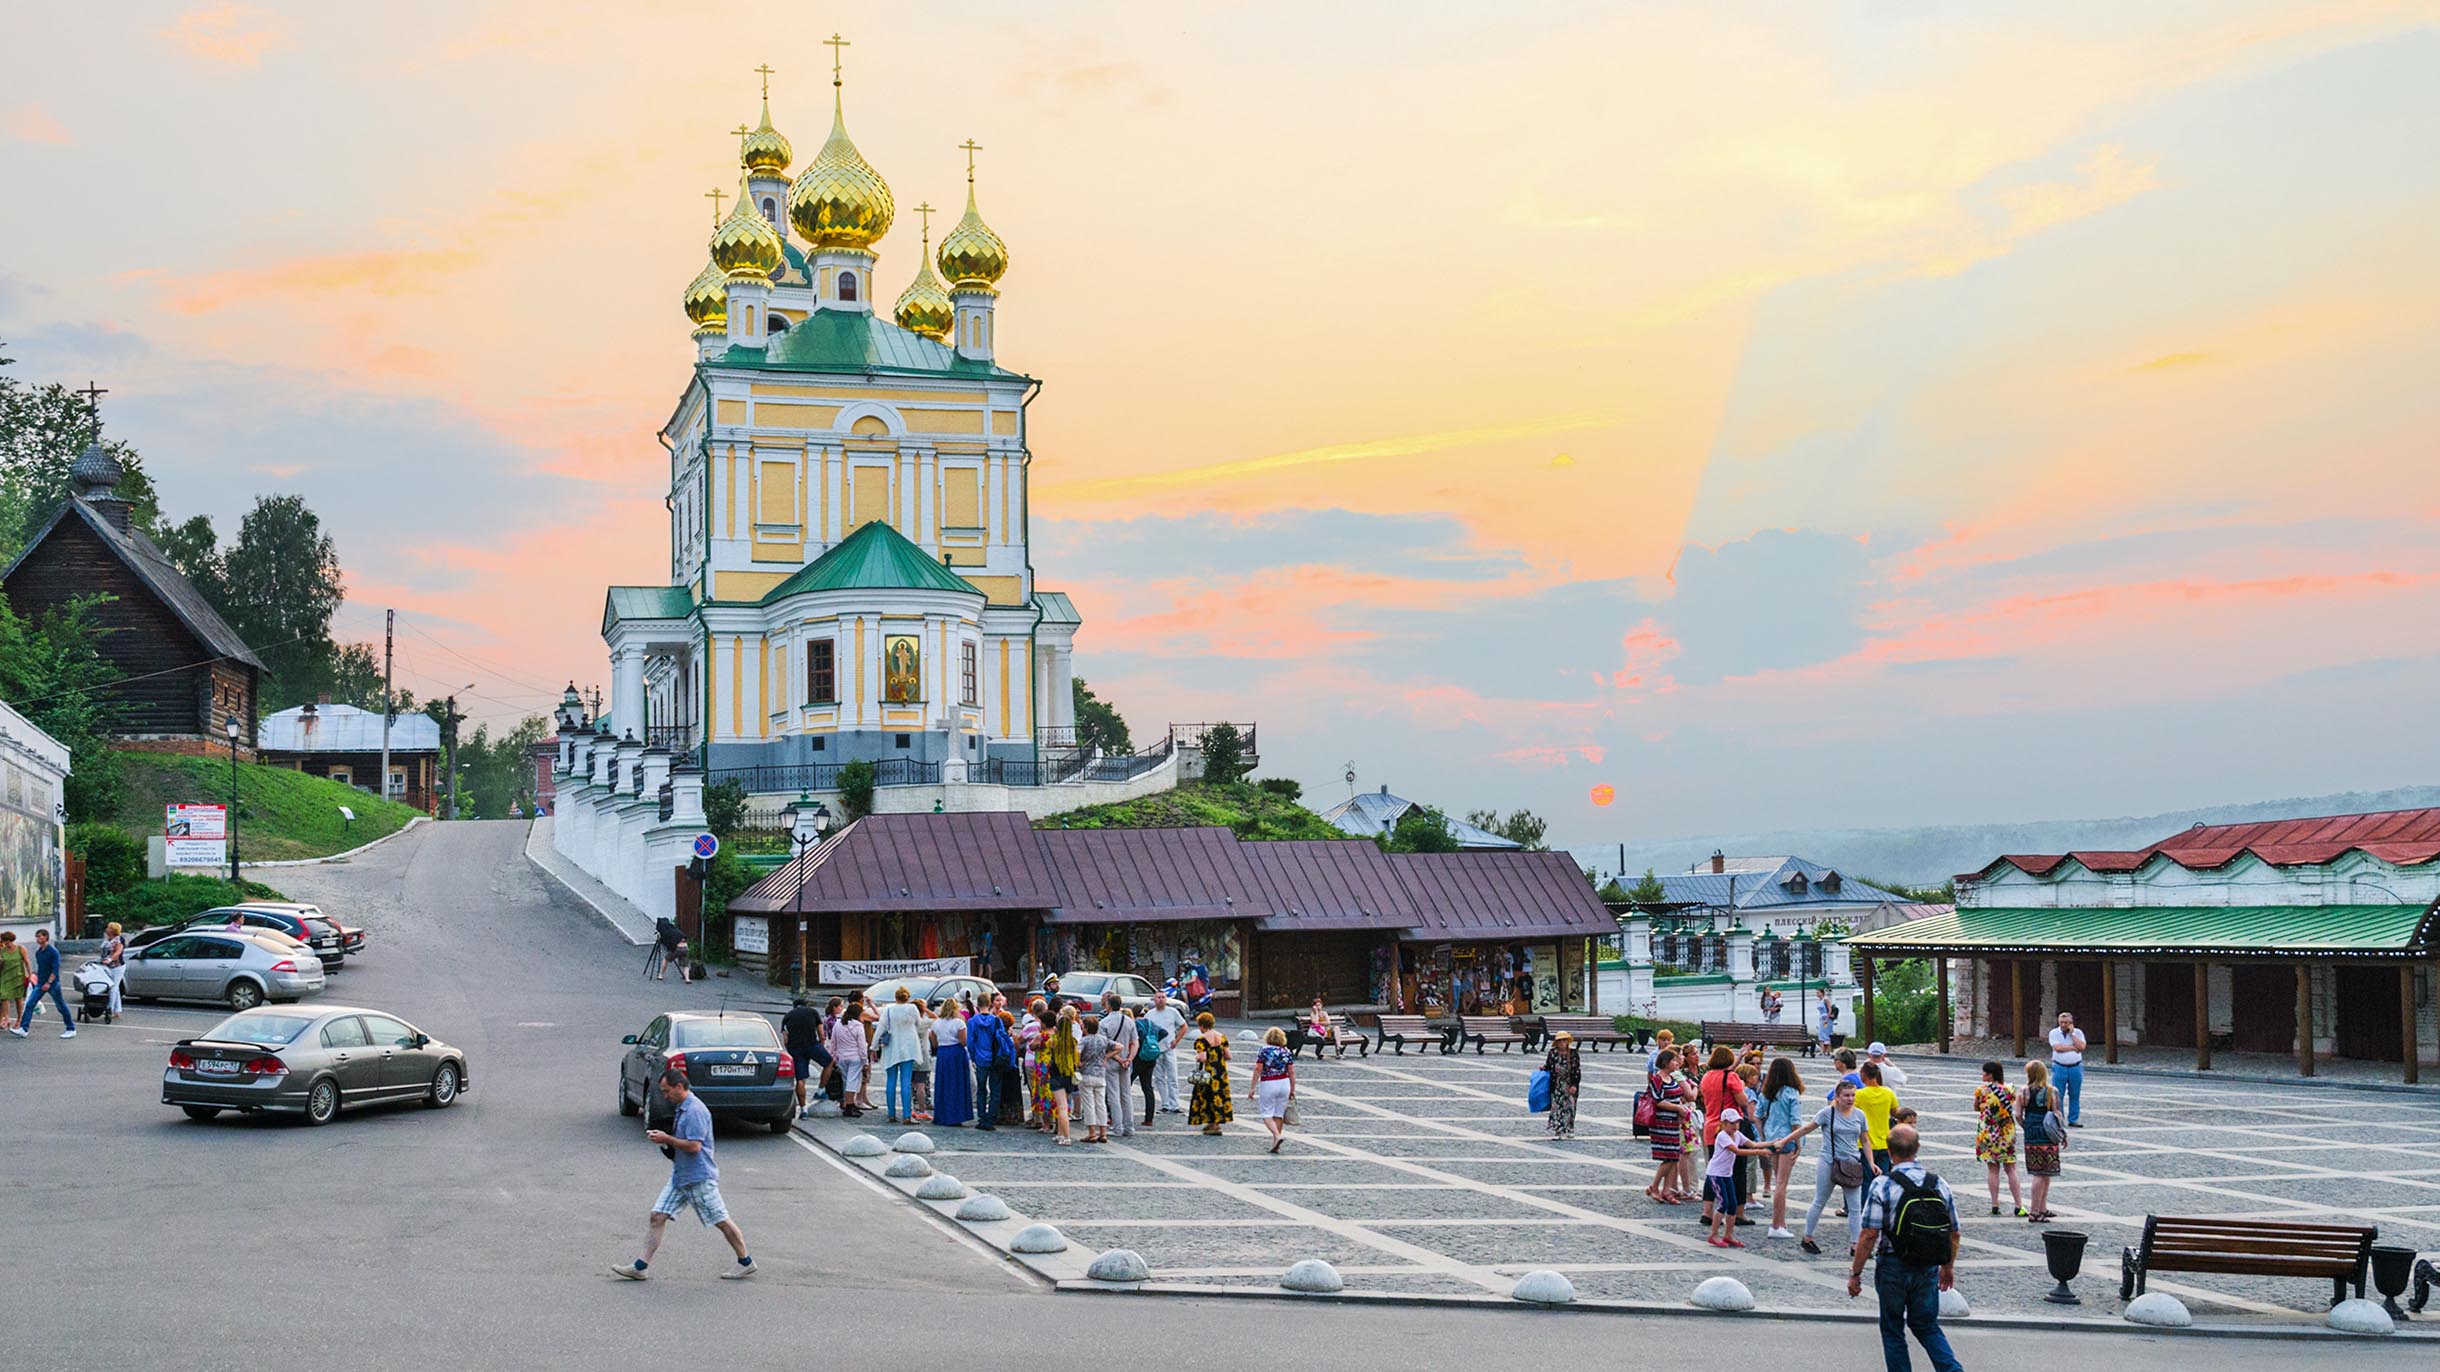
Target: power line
column 478, row 663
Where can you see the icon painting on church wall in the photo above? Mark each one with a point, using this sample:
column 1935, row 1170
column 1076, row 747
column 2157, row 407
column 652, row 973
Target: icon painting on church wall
column 901, row 670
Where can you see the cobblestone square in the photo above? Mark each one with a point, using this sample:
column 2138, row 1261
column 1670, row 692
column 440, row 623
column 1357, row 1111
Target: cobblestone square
column 1426, row 1174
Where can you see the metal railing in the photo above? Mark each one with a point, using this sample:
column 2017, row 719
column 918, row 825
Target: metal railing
column 1191, row 736
column 824, row 776
column 677, row 738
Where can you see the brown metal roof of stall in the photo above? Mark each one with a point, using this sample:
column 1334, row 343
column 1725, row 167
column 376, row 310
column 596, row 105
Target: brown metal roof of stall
column 972, row 861
column 1326, row 884
column 1125, row 876
column 1475, row 897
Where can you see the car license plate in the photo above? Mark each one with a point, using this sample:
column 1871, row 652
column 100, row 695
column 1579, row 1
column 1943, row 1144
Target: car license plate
column 214, row 1068
column 724, row 1069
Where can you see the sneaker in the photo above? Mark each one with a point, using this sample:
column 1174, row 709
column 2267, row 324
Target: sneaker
column 1811, row 1247
column 631, row 1271
column 67, row 1033
column 17, row 1030
column 740, row 1271
column 1782, row 1234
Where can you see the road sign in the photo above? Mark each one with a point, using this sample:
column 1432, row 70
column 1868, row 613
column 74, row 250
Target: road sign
column 707, row 846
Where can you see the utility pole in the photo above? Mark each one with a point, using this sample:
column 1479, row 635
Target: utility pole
column 449, row 728
column 389, row 629
column 597, row 701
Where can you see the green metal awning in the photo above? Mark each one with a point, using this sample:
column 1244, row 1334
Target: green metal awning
column 2366, row 931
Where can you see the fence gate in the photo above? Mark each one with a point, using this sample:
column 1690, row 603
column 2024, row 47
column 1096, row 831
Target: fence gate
column 73, row 892
column 690, row 906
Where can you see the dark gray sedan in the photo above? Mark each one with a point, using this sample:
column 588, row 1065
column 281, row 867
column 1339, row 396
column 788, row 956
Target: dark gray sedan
column 314, row 1062
column 733, row 1063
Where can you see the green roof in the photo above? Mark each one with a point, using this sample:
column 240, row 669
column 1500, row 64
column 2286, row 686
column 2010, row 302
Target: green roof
column 646, row 602
column 1056, row 608
column 874, row 557
column 2229, row 930
column 853, row 341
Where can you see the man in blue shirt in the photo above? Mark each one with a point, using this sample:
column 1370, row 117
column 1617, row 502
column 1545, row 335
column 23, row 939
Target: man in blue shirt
column 46, row 978
column 694, row 1179
column 1907, row 1210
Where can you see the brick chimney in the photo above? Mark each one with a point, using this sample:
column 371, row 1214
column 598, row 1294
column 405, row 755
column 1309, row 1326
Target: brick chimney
column 1719, row 862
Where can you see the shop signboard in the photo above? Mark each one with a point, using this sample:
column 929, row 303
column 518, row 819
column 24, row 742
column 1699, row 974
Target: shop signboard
column 861, row 973
column 750, row 934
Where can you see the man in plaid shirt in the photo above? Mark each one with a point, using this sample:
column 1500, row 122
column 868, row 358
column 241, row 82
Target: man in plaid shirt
column 1909, row 1289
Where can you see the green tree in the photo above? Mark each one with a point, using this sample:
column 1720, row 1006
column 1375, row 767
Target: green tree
column 493, row 771
column 1224, row 755
column 724, row 806
column 1943, row 894
column 54, row 674
column 42, row 430
column 1905, row 1002
column 1422, row 831
column 1286, row 788
column 355, row 676
column 1647, row 889
column 1523, row 828
column 283, row 586
column 193, row 547
column 856, row 781
column 1098, row 726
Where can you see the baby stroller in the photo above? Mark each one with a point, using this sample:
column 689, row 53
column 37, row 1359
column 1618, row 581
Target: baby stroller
column 93, row 984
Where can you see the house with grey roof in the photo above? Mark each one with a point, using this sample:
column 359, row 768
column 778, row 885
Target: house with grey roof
column 1372, row 814
column 343, row 743
column 1781, row 893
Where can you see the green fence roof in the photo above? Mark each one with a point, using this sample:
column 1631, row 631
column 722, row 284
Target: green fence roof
column 2190, row 930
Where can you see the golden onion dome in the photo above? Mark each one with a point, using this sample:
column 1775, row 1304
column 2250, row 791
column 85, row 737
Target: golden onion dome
column 972, row 254
column 745, row 244
column 766, row 150
column 924, row 307
column 839, row 201
column 707, row 299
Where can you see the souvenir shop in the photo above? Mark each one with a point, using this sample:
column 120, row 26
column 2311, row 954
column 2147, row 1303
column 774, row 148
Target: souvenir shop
column 996, row 939
column 1520, row 978
column 1153, row 950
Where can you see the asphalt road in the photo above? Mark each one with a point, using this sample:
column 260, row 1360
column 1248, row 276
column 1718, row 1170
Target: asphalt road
column 479, row 1236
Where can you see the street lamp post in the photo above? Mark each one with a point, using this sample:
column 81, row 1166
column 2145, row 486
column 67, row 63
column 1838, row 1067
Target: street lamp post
column 807, row 820
column 232, row 826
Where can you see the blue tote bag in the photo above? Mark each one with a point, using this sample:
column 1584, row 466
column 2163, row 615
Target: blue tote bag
column 1537, row 1093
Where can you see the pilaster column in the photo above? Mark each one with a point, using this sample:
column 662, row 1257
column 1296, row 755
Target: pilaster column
column 627, row 708
column 1740, row 955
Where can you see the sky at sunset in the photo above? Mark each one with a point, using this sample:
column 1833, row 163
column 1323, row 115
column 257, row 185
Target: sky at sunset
column 1884, row 413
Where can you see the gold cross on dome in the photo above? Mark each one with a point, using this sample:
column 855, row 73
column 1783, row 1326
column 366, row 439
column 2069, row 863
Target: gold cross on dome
column 834, row 42
column 925, row 209
column 971, row 148
column 765, row 71
column 715, row 195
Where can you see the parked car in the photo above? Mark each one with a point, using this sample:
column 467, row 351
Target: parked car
column 315, row 1062
column 145, row 938
column 325, row 942
column 931, row 990
column 240, row 970
column 733, row 1061
column 1085, row 989
column 351, row 941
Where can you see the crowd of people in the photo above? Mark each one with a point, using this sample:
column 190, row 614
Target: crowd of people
column 1071, row 1071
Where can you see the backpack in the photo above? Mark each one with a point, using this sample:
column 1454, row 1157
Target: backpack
column 1921, row 1230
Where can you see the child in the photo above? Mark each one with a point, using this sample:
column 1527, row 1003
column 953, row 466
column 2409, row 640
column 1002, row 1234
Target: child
column 1721, row 1177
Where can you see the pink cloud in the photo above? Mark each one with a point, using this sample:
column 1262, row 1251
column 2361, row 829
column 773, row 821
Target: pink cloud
column 32, row 123
column 227, row 34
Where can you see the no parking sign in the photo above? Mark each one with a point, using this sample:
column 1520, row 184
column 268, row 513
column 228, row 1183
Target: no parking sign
column 706, row 846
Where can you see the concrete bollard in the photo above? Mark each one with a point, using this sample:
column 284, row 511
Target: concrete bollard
column 1312, row 1276
column 863, row 1146
column 1038, row 1238
column 1544, row 1288
column 2160, row 1309
column 907, row 1167
column 2360, row 1317
column 983, row 1209
column 1119, row 1265
column 913, row 1142
column 1723, row 1293
column 941, row 1187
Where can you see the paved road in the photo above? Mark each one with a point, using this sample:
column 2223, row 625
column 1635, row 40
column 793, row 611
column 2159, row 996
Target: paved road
column 477, row 1236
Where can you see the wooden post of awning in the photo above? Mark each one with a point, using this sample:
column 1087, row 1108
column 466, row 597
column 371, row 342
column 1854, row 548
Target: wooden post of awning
column 2202, row 1016
column 2406, row 1015
column 2304, row 1018
column 1864, row 982
column 2016, row 1005
column 1940, row 974
column 2109, row 1011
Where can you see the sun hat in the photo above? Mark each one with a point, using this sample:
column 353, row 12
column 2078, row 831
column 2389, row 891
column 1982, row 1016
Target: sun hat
column 1877, row 1050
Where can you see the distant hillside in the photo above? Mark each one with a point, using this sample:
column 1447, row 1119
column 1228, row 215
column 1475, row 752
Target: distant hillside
column 282, row 814
column 1928, row 856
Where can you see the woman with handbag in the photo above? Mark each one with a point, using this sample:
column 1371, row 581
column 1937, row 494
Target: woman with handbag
column 1566, row 1073
column 1274, row 1084
column 1210, row 1106
column 1995, row 1140
column 1845, row 1166
column 2045, row 1130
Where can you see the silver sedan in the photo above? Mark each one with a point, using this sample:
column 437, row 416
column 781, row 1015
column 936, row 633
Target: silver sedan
column 238, row 970
column 313, row 1061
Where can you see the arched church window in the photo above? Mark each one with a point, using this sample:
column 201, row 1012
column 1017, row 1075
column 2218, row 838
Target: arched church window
column 779, row 324
column 770, row 209
column 847, row 285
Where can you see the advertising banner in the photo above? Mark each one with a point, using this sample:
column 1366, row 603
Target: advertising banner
column 860, row 973
column 198, row 835
column 750, row 934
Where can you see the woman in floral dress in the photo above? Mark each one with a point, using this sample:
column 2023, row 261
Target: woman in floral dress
column 1210, row 1106
column 1668, row 1127
column 1995, row 1138
column 1566, row 1078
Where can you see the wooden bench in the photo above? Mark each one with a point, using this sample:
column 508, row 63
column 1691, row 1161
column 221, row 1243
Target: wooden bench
column 1590, row 1030
column 1405, row 1029
column 2172, row 1243
column 1482, row 1030
column 1347, row 1036
column 1719, row 1031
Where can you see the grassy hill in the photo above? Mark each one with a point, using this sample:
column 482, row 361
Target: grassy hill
column 280, row 814
column 1246, row 809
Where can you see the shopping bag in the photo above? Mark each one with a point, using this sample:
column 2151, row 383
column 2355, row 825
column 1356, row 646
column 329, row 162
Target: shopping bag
column 1537, row 1093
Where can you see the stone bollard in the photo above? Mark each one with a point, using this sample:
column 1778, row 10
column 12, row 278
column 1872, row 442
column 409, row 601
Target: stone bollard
column 863, row 1146
column 1119, row 1265
column 2360, row 1316
column 907, row 1167
column 2160, row 1309
column 1312, row 1276
column 983, row 1209
column 913, row 1142
column 1038, row 1238
column 1544, row 1288
column 941, row 1187
column 1723, row 1293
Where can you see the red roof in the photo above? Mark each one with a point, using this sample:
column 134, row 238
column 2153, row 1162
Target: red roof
column 1328, row 884
column 1501, row 895
column 1126, row 876
column 2405, row 837
column 974, row 861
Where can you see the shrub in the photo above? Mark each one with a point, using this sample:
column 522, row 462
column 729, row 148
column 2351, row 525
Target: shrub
column 1905, row 1003
column 1286, row 788
column 173, row 899
column 724, row 806
column 1224, row 755
column 114, row 858
column 856, row 781
column 1686, row 1032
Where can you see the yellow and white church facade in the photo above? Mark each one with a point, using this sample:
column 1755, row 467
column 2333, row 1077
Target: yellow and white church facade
column 849, row 574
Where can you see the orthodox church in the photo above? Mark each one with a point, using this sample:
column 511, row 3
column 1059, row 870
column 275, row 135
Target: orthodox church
column 849, row 575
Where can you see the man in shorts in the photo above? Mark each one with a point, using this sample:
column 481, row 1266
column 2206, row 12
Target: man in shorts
column 801, row 1030
column 694, row 1180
